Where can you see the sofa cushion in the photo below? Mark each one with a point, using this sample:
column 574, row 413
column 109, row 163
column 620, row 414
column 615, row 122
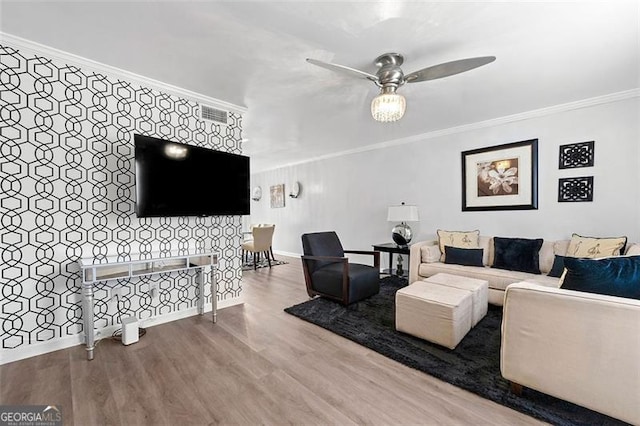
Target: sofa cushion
column 613, row 276
column 498, row 279
column 430, row 253
column 462, row 239
column 546, row 256
column 560, row 247
column 633, row 250
column 544, row 280
column 592, row 247
column 517, row 254
column 486, row 244
column 463, row 256
column 558, row 267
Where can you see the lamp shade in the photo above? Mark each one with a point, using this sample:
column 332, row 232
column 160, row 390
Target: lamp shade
column 403, row 213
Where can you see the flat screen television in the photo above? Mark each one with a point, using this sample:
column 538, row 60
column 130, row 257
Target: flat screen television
column 175, row 179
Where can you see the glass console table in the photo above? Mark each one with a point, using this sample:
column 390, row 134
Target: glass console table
column 112, row 269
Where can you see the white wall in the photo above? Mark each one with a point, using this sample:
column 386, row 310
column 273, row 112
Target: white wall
column 350, row 193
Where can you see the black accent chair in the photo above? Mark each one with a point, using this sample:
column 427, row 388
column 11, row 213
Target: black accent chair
column 328, row 273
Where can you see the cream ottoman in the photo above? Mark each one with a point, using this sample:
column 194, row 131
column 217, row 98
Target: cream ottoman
column 437, row 313
column 479, row 292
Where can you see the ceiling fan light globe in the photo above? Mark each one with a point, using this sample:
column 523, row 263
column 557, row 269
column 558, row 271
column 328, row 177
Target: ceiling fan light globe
column 388, row 107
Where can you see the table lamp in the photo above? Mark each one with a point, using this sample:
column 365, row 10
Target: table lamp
column 401, row 233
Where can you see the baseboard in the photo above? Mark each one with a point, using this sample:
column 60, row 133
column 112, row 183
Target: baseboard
column 286, row 253
column 11, row 355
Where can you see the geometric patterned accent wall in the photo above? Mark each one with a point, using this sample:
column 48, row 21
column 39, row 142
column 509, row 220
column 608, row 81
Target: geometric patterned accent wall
column 67, row 191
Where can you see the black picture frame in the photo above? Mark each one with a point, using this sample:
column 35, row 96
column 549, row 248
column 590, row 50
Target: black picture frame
column 489, row 181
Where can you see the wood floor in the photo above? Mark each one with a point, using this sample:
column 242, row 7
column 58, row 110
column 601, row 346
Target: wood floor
column 257, row 365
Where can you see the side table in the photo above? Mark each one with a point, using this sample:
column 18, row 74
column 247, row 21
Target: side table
column 392, row 249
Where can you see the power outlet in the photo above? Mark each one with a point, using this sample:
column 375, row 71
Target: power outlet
column 116, row 293
column 154, row 290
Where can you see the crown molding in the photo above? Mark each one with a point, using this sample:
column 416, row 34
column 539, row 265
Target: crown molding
column 570, row 106
column 88, row 64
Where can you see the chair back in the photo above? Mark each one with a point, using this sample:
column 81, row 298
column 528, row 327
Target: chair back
column 321, row 244
column 262, row 237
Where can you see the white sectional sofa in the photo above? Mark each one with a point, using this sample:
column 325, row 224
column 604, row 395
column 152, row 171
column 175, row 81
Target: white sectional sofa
column 424, row 261
column 577, row 346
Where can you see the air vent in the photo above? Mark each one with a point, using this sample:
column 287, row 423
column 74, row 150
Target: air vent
column 212, row 114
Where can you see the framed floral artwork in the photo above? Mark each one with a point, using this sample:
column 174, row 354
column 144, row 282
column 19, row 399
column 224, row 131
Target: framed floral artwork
column 501, row 177
column 277, row 196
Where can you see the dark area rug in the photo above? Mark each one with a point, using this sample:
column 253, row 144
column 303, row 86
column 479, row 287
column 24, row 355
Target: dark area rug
column 474, row 365
column 262, row 263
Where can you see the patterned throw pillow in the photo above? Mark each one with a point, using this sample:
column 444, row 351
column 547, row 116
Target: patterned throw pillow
column 460, row 239
column 591, row 247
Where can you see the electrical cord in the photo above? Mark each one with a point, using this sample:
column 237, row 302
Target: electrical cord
column 117, row 335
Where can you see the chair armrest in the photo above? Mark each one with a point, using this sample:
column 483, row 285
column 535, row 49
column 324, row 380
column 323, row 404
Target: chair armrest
column 325, row 258
column 415, row 258
column 375, row 254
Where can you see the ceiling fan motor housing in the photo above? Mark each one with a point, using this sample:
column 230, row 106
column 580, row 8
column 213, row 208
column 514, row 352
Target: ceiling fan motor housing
column 390, row 74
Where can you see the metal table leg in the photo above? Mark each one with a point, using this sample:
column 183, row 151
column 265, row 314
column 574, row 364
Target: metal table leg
column 214, row 294
column 200, row 283
column 87, row 316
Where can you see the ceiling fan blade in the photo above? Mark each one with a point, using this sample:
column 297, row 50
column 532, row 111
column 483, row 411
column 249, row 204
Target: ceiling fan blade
column 448, row 68
column 342, row 69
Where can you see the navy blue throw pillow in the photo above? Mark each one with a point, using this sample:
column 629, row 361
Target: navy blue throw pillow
column 463, row 256
column 558, row 267
column 613, row 276
column 517, row 254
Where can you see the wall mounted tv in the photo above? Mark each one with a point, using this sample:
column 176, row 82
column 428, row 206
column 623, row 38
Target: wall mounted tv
column 175, row 179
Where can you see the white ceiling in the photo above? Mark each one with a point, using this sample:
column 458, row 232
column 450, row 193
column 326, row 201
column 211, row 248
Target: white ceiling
column 253, row 54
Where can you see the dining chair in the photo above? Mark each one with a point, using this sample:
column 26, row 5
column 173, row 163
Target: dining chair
column 262, row 225
column 261, row 243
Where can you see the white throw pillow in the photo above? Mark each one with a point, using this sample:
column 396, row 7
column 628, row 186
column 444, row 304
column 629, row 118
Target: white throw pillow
column 460, row 239
column 430, row 254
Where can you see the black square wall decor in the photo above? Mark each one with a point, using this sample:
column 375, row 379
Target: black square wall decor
column 576, row 155
column 571, row 190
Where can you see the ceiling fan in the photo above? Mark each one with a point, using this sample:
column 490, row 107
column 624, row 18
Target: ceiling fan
column 388, row 105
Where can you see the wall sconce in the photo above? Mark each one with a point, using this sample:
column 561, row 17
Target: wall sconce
column 295, row 190
column 256, row 194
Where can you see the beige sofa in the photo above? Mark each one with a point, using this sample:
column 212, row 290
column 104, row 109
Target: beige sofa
column 580, row 347
column 424, row 261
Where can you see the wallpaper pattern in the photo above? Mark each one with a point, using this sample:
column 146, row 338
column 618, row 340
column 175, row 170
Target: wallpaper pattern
column 67, row 191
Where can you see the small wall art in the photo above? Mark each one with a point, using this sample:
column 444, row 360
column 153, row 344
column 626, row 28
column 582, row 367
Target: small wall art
column 576, row 155
column 277, row 196
column 575, row 189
